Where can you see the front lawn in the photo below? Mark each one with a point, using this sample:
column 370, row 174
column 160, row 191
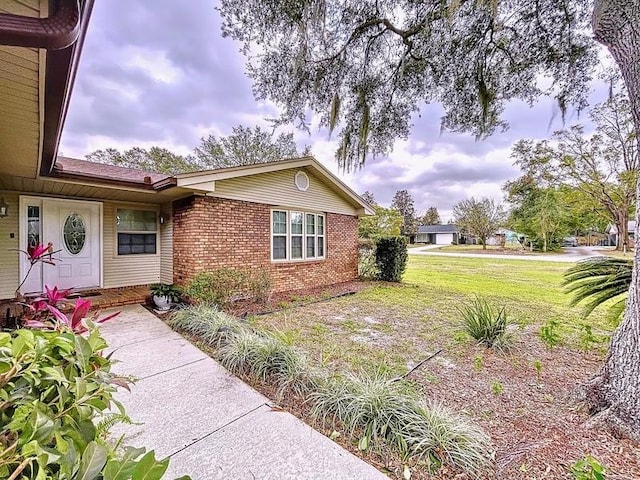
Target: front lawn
column 520, row 397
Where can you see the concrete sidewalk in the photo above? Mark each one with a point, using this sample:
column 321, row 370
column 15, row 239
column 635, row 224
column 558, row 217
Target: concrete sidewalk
column 211, row 424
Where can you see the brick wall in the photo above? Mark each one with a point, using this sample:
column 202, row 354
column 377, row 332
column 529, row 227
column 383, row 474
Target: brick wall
column 211, row 232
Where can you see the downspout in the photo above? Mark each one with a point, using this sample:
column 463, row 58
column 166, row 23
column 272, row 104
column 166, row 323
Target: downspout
column 59, row 30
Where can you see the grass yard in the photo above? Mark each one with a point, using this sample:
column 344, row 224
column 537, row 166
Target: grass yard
column 520, row 397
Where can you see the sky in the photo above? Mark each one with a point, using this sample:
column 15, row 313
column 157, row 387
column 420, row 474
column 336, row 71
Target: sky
column 158, row 72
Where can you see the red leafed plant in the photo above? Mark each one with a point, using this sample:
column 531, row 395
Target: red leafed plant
column 39, row 253
column 47, row 316
column 43, row 311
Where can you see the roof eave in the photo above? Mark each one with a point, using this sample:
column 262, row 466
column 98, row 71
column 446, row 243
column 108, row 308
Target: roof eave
column 61, row 69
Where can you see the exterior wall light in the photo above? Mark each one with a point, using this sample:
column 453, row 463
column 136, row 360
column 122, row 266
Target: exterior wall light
column 4, row 208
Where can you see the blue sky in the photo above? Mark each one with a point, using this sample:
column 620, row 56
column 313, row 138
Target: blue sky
column 161, row 74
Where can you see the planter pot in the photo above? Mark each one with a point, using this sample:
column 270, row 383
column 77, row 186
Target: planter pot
column 162, row 302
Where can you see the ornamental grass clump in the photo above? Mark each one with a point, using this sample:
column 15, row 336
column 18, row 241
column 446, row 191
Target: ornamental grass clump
column 379, row 411
column 485, row 323
column 267, row 358
column 206, row 322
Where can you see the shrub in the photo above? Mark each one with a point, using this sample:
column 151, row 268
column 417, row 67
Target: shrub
column 391, row 258
column 485, row 323
column 55, row 386
column 378, row 410
column 216, row 287
column 367, row 269
column 259, row 285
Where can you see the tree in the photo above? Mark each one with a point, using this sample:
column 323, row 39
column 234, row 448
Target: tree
column 366, row 66
column 156, row 159
column 403, row 203
column 603, row 166
column 480, row 218
column 431, row 217
column 537, row 212
column 386, row 222
column 369, row 198
column 246, row 146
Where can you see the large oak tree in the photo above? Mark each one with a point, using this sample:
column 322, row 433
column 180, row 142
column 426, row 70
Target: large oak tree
column 364, row 66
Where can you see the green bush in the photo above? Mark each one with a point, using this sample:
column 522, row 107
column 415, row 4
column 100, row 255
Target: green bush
column 380, row 411
column 485, row 323
column 391, row 258
column 367, row 269
column 259, row 284
column 54, row 390
column 216, row 287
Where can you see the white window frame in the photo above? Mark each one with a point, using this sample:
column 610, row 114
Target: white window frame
column 116, row 252
column 288, row 235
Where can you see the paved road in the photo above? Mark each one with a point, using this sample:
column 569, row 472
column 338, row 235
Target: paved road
column 571, row 255
column 211, row 424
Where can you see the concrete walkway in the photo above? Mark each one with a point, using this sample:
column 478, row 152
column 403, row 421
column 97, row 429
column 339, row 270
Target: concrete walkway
column 211, row 424
column 571, row 255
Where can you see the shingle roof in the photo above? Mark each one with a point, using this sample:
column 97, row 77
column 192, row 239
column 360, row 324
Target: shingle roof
column 448, row 228
column 103, row 171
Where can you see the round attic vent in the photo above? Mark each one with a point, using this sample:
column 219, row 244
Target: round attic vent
column 302, row 181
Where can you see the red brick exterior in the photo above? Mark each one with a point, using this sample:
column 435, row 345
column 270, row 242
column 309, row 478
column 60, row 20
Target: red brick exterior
column 210, row 232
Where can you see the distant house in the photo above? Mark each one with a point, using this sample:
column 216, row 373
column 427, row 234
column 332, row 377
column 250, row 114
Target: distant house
column 438, row 234
column 504, row 236
column 612, row 232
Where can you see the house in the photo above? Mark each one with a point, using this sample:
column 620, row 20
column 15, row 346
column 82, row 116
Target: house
column 504, row 236
column 612, row 232
column 115, row 227
column 438, row 234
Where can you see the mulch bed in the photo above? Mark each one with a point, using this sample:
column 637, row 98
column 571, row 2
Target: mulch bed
column 295, row 298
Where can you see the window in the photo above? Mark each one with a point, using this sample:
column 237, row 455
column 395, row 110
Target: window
column 297, row 235
column 137, row 231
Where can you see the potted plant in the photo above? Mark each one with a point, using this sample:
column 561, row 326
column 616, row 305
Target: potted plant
column 164, row 295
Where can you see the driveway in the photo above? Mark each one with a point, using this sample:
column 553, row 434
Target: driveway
column 211, row 424
column 571, row 255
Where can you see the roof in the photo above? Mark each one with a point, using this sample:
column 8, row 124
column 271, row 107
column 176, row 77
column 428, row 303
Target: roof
column 66, row 166
column 205, row 180
column 613, row 229
column 448, row 228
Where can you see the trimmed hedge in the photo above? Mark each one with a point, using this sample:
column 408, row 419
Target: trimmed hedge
column 391, row 258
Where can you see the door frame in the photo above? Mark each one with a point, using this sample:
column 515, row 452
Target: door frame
column 24, row 200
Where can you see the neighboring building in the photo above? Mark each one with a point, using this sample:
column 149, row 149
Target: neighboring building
column 612, row 232
column 116, row 227
column 504, row 236
column 438, row 234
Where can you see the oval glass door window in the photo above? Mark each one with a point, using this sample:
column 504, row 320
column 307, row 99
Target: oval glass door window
column 74, row 233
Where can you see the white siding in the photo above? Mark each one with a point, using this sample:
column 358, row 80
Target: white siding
column 166, row 245
column 444, row 238
column 9, row 257
column 278, row 188
column 126, row 270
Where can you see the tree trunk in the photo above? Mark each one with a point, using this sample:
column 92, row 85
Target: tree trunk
column 544, row 242
column 622, row 224
column 616, row 389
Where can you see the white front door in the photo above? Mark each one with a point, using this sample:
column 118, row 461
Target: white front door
column 73, row 228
